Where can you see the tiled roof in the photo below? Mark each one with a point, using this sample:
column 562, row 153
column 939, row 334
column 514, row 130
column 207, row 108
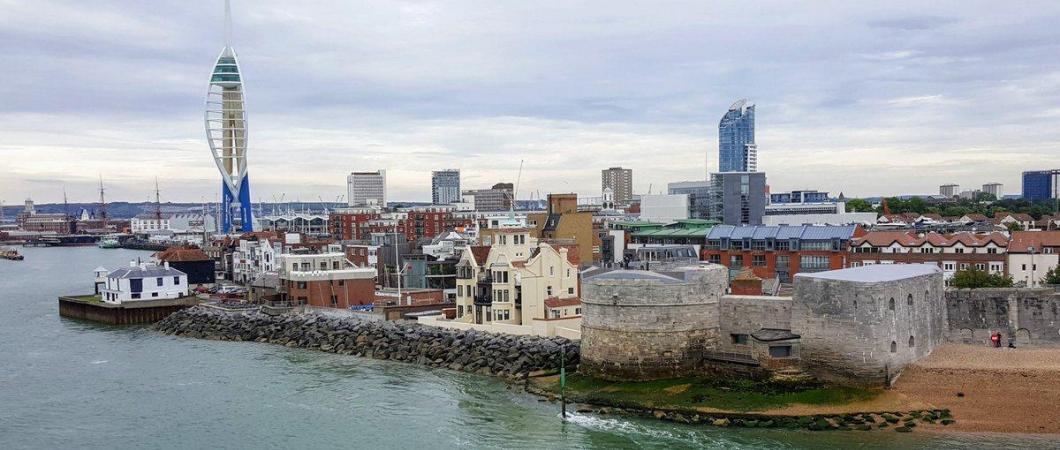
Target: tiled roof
column 480, row 252
column 179, row 254
column 1022, row 241
column 562, row 302
column 149, row 272
column 911, row 239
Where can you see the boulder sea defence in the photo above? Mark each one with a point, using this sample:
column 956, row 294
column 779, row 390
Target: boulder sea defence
column 462, row 350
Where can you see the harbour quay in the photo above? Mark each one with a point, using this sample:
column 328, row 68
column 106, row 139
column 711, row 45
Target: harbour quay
column 92, row 308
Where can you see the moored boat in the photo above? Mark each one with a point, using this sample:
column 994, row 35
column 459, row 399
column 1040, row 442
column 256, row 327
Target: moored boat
column 109, row 242
column 10, row 253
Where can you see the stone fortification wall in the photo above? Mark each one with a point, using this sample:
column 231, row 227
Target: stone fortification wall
column 866, row 332
column 468, row 351
column 745, row 314
column 1028, row 316
column 636, row 327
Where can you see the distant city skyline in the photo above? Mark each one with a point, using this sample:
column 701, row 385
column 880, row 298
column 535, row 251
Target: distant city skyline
column 885, row 102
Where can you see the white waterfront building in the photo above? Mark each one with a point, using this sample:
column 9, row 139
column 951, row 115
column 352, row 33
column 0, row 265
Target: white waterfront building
column 144, row 281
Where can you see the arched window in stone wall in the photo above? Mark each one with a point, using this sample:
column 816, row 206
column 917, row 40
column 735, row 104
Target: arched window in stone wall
column 894, row 347
column 909, row 300
column 927, row 295
column 890, row 304
column 911, row 342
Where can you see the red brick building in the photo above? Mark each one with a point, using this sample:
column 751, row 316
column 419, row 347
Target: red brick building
column 325, row 280
column 416, row 223
column 779, row 251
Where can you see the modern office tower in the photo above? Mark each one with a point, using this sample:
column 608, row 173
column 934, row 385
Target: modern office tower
column 993, row 189
column 621, row 183
column 445, row 186
column 698, row 197
column 226, row 132
column 367, row 188
column 738, row 198
column 737, row 151
column 949, row 190
column 1040, row 184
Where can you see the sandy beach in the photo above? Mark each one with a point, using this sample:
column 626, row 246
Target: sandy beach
column 1005, row 390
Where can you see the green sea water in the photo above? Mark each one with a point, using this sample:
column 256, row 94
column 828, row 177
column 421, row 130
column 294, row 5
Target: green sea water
column 72, row 384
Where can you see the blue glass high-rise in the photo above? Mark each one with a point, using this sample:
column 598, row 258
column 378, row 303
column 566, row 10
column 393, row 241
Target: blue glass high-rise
column 1040, row 184
column 737, row 151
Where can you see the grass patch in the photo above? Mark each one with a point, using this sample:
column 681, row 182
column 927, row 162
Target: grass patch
column 89, row 298
column 729, row 394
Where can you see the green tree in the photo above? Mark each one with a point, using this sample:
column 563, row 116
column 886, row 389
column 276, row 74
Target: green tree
column 1052, row 276
column 859, row 205
column 1014, row 226
column 974, row 279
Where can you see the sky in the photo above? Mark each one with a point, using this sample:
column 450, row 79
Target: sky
column 864, row 98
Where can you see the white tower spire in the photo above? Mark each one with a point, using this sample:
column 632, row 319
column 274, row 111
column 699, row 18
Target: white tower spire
column 228, row 23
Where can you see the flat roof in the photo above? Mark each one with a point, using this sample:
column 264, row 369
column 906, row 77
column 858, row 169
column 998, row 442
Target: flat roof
column 875, row 272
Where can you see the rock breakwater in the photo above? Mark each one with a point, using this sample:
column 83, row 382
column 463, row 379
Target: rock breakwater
column 461, row 350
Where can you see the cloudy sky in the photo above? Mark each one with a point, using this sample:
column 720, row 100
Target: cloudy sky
column 859, row 98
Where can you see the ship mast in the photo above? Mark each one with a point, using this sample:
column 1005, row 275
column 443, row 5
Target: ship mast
column 158, row 204
column 102, row 204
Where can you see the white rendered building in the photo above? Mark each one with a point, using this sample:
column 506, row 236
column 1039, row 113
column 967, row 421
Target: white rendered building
column 144, row 281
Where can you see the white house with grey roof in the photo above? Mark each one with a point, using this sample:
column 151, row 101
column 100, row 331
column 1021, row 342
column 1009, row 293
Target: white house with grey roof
column 144, row 281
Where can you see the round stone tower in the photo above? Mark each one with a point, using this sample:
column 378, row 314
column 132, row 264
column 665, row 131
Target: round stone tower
column 644, row 325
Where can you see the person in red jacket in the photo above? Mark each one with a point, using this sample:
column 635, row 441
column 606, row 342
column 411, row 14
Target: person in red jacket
column 996, row 339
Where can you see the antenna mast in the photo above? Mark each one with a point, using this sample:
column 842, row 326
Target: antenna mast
column 158, row 204
column 228, row 23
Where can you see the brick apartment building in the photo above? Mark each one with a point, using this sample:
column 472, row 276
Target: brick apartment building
column 779, row 251
column 415, row 223
column 325, row 280
column 951, row 252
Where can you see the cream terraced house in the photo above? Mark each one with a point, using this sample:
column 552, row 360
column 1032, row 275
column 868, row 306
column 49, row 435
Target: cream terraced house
column 517, row 282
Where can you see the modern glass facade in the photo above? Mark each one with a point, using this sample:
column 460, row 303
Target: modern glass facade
column 737, row 151
column 1040, row 184
column 698, row 197
column 445, row 186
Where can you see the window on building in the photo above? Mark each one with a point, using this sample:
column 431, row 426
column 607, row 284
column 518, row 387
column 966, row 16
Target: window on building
column 735, row 261
column 302, row 285
column 758, row 245
column 739, row 338
column 335, row 265
column 758, row 260
column 779, row 351
column 890, row 304
column 816, row 245
column 909, row 300
column 548, row 291
column 342, row 282
column 154, row 294
column 958, row 250
column 813, row 263
column 577, row 311
column 947, row 266
column 570, row 291
column 963, row 266
column 135, row 295
column 555, row 313
column 459, row 310
column 911, row 342
column 176, row 281
column 551, row 271
column 894, row 347
column 568, row 273
column 783, row 261
column 158, row 281
column 714, row 259
column 991, row 250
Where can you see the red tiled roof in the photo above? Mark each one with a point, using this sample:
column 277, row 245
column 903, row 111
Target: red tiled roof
column 1022, row 241
column 480, row 252
column 562, row 302
column 179, row 254
column 911, row 239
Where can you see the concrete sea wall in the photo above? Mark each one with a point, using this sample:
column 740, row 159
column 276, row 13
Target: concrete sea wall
column 462, row 350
